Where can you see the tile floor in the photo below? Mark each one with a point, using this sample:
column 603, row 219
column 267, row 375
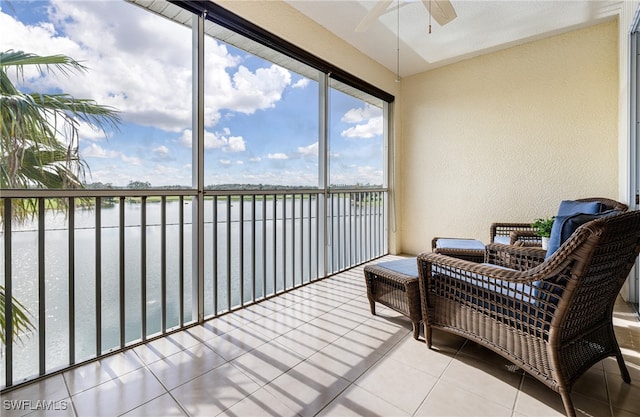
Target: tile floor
column 318, row 351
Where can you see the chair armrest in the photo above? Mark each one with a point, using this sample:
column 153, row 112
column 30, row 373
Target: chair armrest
column 452, row 289
column 505, row 229
column 519, row 258
column 525, row 238
column 467, row 267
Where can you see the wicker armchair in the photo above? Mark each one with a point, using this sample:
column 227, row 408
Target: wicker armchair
column 524, row 234
column 553, row 317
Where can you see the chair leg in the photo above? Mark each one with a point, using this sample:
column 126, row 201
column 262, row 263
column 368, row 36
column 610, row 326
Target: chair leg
column 372, row 305
column 568, row 404
column 623, row 367
column 416, row 329
column 427, row 335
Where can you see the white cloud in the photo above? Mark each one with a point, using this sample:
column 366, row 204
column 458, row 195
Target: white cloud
column 225, row 162
column 280, row 176
column 280, row 156
column 96, row 151
column 357, row 175
column 140, row 64
column 89, row 132
column 311, row 150
column 155, row 174
column 360, row 114
column 301, row 83
column 215, row 140
column 368, row 122
column 161, row 152
column 259, row 90
column 368, row 130
column 130, row 159
column 256, row 159
column 236, row 144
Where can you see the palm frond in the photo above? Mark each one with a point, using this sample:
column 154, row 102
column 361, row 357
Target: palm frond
column 32, row 125
column 19, row 59
column 20, row 317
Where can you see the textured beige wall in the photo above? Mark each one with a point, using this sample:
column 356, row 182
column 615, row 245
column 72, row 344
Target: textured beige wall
column 507, row 136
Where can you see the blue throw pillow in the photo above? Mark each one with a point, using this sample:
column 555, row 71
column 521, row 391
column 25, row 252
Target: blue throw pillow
column 570, row 207
column 564, row 226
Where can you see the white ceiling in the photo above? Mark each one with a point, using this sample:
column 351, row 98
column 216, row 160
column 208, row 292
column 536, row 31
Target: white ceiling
column 481, row 27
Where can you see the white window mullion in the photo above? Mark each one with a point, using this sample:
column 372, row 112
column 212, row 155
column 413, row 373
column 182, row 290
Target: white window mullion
column 197, row 262
column 323, row 168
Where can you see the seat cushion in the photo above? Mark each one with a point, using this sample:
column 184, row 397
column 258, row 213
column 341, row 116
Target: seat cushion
column 505, row 240
column 515, row 303
column 515, row 290
column 408, row 266
column 465, row 244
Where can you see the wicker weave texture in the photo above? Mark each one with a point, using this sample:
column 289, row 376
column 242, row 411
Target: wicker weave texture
column 395, row 290
column 553, row 317
column 473, row 255
column 525, row 235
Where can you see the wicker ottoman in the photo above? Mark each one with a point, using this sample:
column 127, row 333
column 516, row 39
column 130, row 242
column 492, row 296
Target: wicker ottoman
column 395, row 285
column 468, row 249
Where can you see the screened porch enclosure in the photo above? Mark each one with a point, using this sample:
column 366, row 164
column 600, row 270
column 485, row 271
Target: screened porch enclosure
column 217, row 215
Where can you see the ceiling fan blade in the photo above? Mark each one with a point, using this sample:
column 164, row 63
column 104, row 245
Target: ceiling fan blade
column 377, row 10
column 441, row 10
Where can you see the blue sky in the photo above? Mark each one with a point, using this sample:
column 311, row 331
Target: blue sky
column 261, row 120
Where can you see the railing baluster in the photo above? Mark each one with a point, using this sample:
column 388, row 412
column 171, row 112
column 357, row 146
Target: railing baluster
column 163, row 263
column 343, row 231
column 275, row 242
column 264, row 246
column 8, row 294
column 42, row 307
column 352, row 232
column 301, row 238
column 181, row 261
column 143, row 266
column 319, row 250
column 241, row 253
column 121, row 288
column 215, row 255
column 98, row 288
column 293, row 240
column 368, row 238
column 284, row 242
column 374, row 222
column 362, row 226
column 329, row 227
column 379, row 226
column 337, row 232
column 72, row 280
column 310, row 239
column 228, row 249
column 253, row 247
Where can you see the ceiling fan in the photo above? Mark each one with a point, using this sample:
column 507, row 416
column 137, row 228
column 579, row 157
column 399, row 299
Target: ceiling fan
column 441, row 10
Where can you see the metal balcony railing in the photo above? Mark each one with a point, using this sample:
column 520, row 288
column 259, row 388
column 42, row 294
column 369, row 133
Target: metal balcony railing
column 103, row 270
